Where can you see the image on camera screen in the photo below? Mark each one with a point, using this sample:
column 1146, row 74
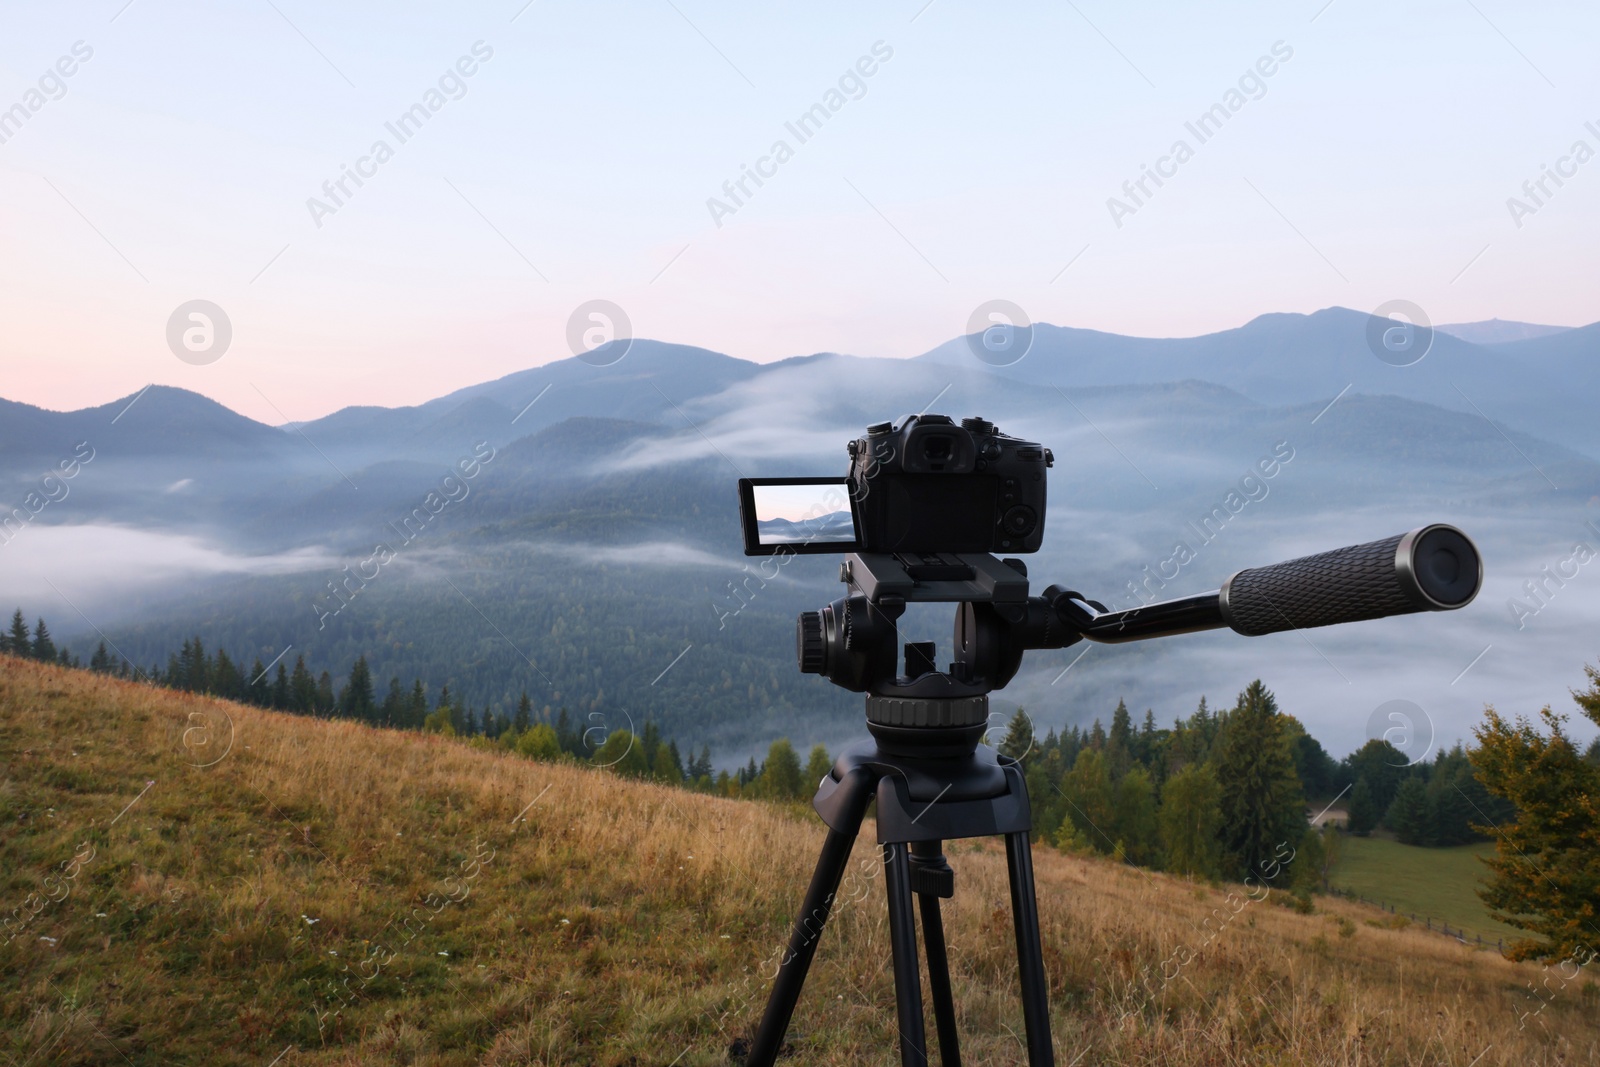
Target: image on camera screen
column 802, row 514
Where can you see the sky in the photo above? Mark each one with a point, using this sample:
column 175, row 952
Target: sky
column 968, row 154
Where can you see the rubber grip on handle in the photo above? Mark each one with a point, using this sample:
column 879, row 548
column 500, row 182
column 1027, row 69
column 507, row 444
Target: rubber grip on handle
column 1431, row 568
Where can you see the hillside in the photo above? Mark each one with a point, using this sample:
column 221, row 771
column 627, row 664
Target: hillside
column 189, row 881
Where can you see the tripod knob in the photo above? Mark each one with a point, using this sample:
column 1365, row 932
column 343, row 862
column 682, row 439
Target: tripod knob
column 810, row 646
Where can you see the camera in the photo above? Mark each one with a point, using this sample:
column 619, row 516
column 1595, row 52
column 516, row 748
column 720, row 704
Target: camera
column 926, row 486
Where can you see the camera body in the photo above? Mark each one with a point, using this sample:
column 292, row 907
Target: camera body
column 932, row 486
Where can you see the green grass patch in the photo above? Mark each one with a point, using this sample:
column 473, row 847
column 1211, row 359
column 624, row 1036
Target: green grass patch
column 1436, row 883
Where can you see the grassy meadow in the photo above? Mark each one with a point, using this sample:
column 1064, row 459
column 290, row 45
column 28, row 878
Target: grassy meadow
column 1429, row 882
column 188, row 881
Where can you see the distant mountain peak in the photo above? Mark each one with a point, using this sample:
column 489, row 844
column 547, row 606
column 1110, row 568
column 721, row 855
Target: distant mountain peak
column 1499, row 331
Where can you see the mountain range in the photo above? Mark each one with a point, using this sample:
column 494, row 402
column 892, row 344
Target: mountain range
column 602, row 536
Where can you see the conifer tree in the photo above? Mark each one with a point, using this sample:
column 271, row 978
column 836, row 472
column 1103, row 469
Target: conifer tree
column 1119, row 743
column 570, row 739
column 393, row 711
column 355, row 701
column 1363, row 811
column 1263, row 811
column 17, row 642
column 650, row 745
column 43, row 648
column 1408, row 815
column 1018, row 741
column 225, row 681
column 419, row 706
column 302, row 688
column 280, row 695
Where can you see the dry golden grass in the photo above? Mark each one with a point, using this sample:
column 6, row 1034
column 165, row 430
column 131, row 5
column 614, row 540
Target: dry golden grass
column 479, row 908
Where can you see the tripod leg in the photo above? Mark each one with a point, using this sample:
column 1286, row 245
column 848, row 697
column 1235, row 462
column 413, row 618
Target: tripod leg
column 814, row 912
column 937, row 880
column 903, row 943
column 1030, row 955
column 944, row 1006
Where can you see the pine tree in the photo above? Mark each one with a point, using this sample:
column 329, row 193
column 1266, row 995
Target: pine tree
column 419, row 706
column 1069, row 745
column 280, row 697
column 1097, row 736
column 650, row 744
column 1363, row 811
column 325, row 703
column 1119, row 743
column 100, row 662
column 1018, row 741
column 17, row 641
column 1408, row 814
column 524, row 714
column 257, row 689
column 355, row 700
column 393, row 711
column 1263, row 810
column 44, row 649
column 302, row 688
column 1384, row 768
column 1315, row 768
column 225, row 680
column 1147, row 738
column 1556, row 792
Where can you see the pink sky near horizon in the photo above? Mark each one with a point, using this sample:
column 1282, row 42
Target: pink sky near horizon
column 977, row 162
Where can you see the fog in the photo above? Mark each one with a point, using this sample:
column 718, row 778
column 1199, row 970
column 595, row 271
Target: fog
column 102, row 572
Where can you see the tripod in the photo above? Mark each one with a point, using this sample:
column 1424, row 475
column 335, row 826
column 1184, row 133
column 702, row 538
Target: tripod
column 923, row 799
column 933, row 783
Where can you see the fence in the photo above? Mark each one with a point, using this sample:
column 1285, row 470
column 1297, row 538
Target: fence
column 1442, row 927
